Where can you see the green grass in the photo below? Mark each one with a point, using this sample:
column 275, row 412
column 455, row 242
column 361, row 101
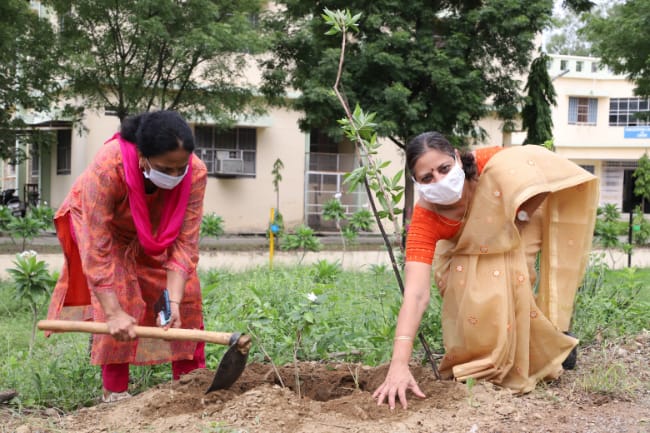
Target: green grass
column 337, row 315
column 641, row 277
column 612, row 303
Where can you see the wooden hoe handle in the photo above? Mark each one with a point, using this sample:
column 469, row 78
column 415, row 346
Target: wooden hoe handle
column 141, row 331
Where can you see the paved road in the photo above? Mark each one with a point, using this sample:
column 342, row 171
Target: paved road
column 258, row 255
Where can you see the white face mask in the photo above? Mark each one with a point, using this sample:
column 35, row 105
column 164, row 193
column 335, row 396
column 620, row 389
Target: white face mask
column 162, row 180
column 447, row 191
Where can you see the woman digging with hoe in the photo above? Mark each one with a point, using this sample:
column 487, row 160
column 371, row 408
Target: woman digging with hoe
column 486, row 215
column 129, row 229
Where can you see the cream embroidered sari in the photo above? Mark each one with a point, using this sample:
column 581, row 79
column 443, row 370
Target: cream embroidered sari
column 494, row 327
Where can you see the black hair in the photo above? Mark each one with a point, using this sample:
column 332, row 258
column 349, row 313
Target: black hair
column 158, row 132
column 425, row 141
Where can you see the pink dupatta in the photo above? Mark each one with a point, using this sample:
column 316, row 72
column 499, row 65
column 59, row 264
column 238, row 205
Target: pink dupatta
column 175, row 202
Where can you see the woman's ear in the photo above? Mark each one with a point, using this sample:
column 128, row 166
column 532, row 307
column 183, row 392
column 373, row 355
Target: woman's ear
column 142, row 162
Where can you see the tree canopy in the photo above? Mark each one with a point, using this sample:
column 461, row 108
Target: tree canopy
column 130, row 56
column 28, row 71
column 620, row 39
column 419, row 65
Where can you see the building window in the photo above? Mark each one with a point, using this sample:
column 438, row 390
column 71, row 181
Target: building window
column 564, row 65
column 583, row 111
column 227, row 152
column 579, row 66
column 34, row 164
column 8, row 176
column 624, row 111
column 590, row 168
column 595, row 67
column 64, row 151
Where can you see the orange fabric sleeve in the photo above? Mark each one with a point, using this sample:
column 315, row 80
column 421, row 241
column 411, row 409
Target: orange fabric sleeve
column 424, row 231
column 483, row 154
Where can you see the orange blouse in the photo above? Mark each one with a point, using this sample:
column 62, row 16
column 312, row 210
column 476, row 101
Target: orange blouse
column 428, row 227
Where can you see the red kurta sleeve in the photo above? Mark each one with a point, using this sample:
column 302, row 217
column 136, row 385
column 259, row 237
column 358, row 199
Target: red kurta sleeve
column 184, row 252
column 99, row 190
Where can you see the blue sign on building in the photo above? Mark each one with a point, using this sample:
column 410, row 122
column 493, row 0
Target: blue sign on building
column 636, row 132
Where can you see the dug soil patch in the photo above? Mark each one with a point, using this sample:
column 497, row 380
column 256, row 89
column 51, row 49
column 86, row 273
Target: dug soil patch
column 608, row 392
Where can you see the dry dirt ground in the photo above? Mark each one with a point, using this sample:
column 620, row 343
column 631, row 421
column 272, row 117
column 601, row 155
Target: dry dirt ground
column 608, row 392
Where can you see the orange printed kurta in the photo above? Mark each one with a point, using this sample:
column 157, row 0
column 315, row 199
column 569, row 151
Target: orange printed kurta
column 102, row 254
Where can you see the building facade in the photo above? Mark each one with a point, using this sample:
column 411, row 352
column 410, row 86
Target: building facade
column 595, row 123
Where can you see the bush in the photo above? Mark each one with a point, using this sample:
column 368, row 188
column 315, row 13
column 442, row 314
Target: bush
column 212, row 225
column 301, row 239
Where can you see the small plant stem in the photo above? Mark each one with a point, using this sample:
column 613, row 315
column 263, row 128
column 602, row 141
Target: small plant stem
column 355, row 375
column 34, row 322
column 261, row 346
column 338, row 226
column 295, row 362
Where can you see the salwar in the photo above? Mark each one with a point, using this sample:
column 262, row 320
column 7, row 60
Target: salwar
column 115, row 377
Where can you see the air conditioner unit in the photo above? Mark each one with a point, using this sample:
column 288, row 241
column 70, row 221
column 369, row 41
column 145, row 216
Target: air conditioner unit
column 230, row 166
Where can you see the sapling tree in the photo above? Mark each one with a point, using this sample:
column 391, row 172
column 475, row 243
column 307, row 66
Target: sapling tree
column 277, row 177
column 348, row 228
column 301, row 318
column 33, row 283
column 607, row 229
column 334, row 210
column 359, row 128
column 642, row 179
column 277, row 223
column 26, row 228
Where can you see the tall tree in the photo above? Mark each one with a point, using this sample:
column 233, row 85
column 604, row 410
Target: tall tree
column 565, row 35
column 620, row 39
column 536, row 113
column 137, row 55
column 565, row 39
column 419, row 65
column 28, row 68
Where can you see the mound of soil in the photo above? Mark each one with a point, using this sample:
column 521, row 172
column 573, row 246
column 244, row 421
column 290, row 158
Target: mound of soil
column 608, row 392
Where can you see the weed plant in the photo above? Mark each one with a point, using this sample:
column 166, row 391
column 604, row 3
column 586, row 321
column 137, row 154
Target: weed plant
column 611, row 303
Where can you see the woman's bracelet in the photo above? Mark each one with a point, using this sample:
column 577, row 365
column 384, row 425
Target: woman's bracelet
column 175, row 302
column 404, row 337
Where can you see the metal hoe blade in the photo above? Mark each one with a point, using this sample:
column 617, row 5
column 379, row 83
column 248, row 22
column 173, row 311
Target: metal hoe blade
column 232, row 364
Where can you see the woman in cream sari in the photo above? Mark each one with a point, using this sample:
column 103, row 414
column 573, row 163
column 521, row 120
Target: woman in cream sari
column 486, row 215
